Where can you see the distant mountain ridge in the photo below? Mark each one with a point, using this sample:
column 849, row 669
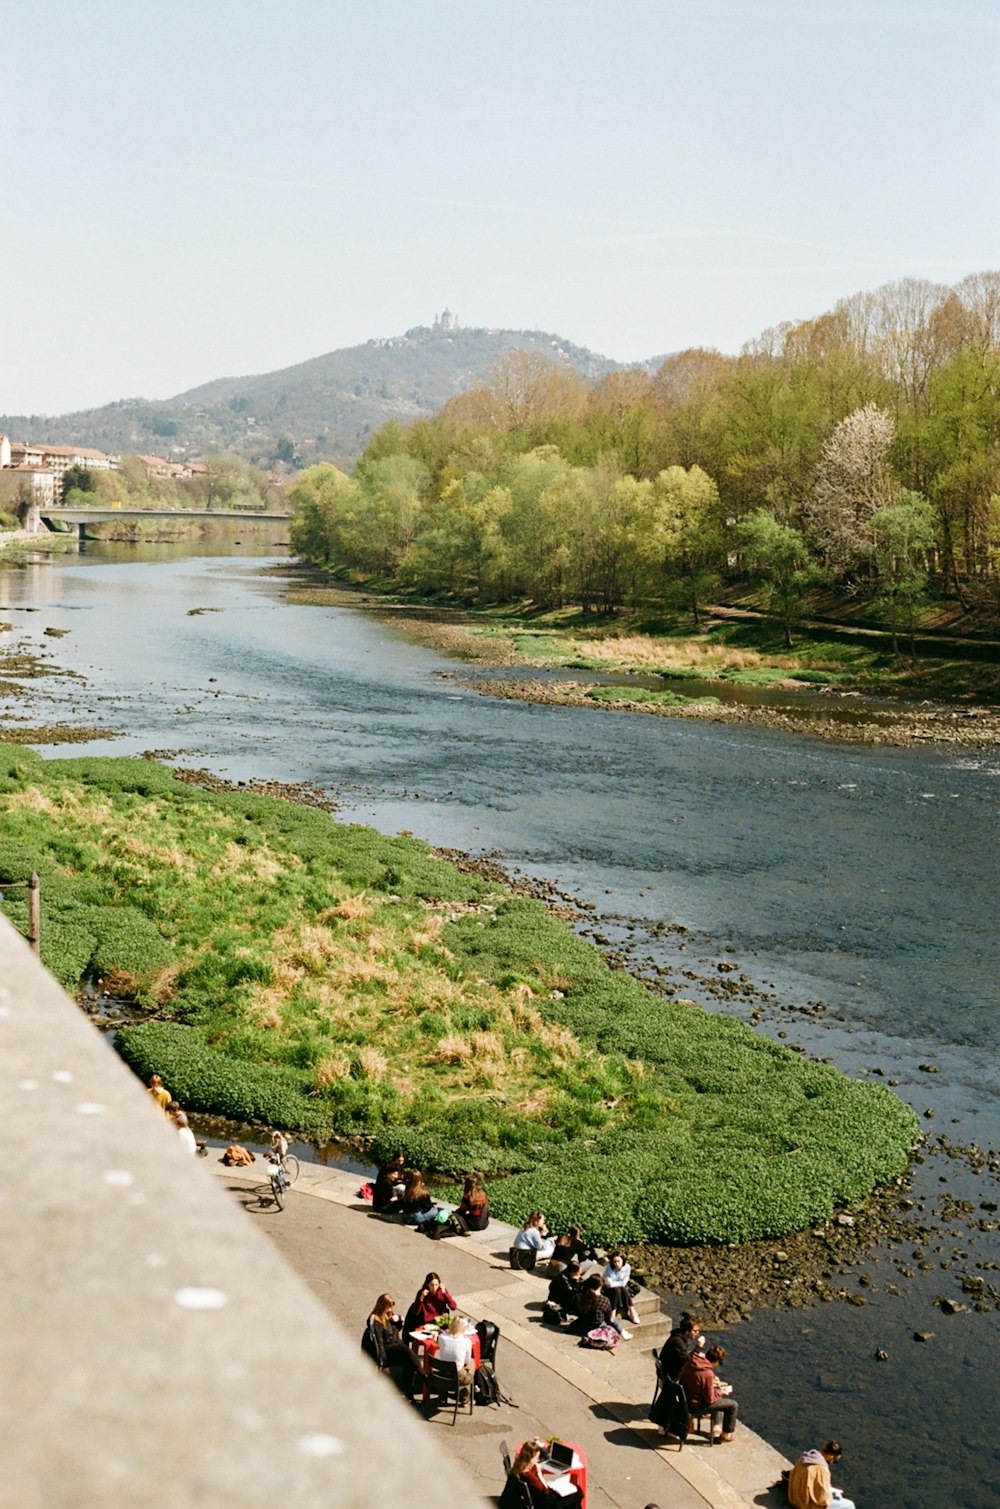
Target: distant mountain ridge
column 324, row 409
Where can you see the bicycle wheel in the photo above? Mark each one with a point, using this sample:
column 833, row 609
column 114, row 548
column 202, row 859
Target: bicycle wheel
column 291, row 1168
column 278, row 1192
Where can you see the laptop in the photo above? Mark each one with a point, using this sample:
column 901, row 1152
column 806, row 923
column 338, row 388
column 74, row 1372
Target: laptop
column 559, row 1459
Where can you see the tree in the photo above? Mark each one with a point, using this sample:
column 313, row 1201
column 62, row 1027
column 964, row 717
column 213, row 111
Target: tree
column 393, row 491
column 686, row 533
column 325, row 503
column 904, row 536
column 854, row 480
column 778, row 557
column 77, row 479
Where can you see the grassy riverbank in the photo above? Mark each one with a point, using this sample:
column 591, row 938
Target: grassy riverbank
column 317, row 975
column 842, row 682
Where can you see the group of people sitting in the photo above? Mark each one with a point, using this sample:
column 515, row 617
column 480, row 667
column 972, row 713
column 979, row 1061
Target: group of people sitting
column 595, row 1299
column 386, row 1337
column 685, row 1360
column 400, row 1191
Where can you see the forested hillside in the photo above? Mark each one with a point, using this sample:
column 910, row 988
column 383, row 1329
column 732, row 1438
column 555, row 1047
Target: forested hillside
column 324, row 409
column 860, row 449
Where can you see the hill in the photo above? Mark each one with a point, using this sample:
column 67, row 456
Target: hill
column 325, row 409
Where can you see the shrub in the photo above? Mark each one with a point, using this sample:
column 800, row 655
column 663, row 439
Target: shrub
column 205, row 1079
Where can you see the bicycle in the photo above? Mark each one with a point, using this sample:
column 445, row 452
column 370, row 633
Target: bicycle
column 282, row 1172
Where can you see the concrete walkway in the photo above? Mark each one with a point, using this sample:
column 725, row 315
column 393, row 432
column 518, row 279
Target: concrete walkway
column 348, row 1256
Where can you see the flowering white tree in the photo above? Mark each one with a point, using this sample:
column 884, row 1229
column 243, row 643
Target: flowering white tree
column 854, row 481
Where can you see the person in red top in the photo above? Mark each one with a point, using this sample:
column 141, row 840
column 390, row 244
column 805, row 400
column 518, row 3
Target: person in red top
column 706, row 1395
column 526, row 1487
column 474, row 1208
column 432, row 1300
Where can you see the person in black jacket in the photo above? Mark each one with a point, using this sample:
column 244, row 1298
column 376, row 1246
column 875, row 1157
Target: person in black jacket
column 564, row 1290
column 383, row 1342
column 391, row 1176
column 682, row 1343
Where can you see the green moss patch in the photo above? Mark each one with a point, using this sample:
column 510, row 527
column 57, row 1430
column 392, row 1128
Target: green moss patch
column 321, row 977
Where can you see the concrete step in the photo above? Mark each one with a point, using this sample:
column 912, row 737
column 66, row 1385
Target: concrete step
column 651, row 1332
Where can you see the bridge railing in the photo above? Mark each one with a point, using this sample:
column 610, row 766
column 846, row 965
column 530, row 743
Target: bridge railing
column 154, row 1347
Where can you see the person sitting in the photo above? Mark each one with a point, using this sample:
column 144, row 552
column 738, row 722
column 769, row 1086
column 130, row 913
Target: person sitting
column 569, row 1246
column 595, row 1310
column 383, row 1342
column 616, row 1278
column 707, row 1395
column 432, row 1300
column 417, row 1202
column 526, row 1487
column 565, row 1288
column 809, row 1484
column 682, row 1343
column 474, row 1207
column 534, row 1236
column 455, row 1346
column 389, row 1182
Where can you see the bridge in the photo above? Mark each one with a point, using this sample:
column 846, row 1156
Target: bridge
column 53, row 516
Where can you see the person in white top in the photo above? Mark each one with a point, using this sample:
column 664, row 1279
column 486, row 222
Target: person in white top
column 456, row 1346
column 184, row 1132
column 615, row 1282
column 534, row 1235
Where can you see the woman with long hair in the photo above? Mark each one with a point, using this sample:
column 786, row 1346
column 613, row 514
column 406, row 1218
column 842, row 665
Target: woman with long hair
column 595, row 1310
column 534, row 1236
column 474, row 1207
column 525, row 1485
column 432, row 1300
column 417, row 1202
column 383, row 1341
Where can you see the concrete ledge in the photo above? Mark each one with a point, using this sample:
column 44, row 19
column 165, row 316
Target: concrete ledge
column 154, row 1348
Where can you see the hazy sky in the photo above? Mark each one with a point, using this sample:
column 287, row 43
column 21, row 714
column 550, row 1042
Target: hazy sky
column 201, row 188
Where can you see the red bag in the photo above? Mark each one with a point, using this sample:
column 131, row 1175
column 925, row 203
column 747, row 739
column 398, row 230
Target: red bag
column 366, row 1192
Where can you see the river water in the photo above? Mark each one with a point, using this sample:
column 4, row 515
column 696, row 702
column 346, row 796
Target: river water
column 861, row 879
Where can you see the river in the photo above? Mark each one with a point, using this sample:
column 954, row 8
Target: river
column 860, row 879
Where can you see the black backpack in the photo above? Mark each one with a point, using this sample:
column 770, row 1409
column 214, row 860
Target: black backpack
column 485, row 1388
column 489, row 1335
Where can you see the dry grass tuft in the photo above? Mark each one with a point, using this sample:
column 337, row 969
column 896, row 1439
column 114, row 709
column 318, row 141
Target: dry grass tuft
column 451, row 1050
column 351, row 909
column 640, row 649
column 372, row 1063
column 329, row 1070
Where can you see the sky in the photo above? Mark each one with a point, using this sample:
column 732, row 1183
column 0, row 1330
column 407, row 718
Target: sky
column 206, row 188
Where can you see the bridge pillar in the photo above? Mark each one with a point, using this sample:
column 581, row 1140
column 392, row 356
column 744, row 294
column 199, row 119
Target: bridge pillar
column 33, row 519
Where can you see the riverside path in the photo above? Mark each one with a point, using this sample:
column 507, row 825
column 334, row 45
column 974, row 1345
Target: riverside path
column 348, row 1256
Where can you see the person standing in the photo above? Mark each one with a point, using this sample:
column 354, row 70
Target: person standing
column 159, row 1094
column 809, row 1482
